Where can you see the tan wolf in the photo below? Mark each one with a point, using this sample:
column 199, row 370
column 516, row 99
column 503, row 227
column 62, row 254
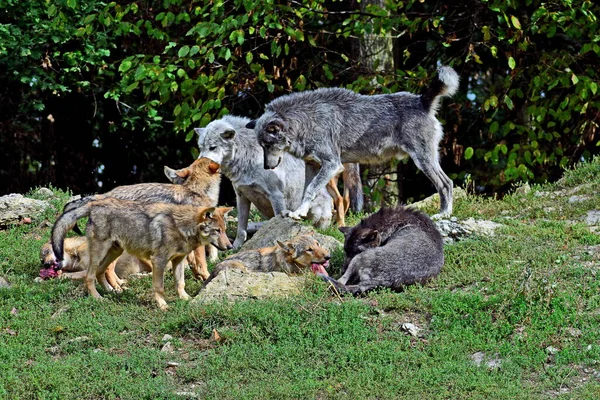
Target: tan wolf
column 74, row 264
column 293, row 256
column 196, row 185
column 157, row 233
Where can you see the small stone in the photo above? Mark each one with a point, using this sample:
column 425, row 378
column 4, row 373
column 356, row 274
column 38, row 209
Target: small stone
column 172, row 364
column 4, row 283
column 551, row 350
column 44, row 193
column 524, row 189
column 412, row 329
column 578, row 199
column 167, row 338
column 167, row 348
column 38, row 280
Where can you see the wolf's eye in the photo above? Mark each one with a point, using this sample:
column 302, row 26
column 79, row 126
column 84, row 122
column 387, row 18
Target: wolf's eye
column 212, row 148
column 271, row 129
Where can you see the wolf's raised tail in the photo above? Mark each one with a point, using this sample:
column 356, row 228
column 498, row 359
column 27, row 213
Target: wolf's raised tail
column 444, row 84
column 64, row 224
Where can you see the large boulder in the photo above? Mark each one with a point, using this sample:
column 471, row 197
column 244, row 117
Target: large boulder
column 14, row 207
column 233, row 284
column 280, row 228
column 453, row 230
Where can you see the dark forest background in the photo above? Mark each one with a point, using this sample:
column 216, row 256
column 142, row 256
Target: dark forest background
column 95, row 94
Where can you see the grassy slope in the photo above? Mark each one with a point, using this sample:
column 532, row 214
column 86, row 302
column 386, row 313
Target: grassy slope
column 532, row 286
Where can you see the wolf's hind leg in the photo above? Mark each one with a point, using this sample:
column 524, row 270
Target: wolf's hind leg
column 101, row 254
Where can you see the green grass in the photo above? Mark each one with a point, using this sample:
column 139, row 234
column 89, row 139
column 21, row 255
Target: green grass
column 533, row 285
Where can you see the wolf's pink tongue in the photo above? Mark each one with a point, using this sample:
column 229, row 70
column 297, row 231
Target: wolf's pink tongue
column 319, row 269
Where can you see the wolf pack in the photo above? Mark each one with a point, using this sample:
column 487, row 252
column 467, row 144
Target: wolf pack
column 286, row 162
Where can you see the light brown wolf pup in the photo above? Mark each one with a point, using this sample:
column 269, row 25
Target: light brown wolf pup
column 293, row 257
column 74, row 264
column 157, row 232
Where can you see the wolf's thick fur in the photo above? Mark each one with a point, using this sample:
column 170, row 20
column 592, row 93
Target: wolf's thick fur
column 332, row 126
column 196, row 185
column 228, row 142
column 294, row 256
column 392, row 248
column 157, row 232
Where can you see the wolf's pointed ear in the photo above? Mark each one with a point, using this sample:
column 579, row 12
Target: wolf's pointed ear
column 205, row 213
column 374, row 236
column 213, row 167
column 286, row 247
column 251, row 124
column 176, row 176
column 200, row 131
column 228, row 134
column 345, row 230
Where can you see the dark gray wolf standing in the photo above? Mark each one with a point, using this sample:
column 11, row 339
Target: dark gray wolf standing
column 157, row 232
column 392, row 248
column 332, row 126
column 295, row 256
column 229, row 143
column 196, row 185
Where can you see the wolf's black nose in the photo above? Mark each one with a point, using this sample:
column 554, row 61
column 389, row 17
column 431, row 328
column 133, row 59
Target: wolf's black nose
column 229, row 247
column 328, row 257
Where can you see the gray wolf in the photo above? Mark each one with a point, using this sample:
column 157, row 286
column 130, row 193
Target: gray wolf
column 295, row 256
column 156, row 232
column 227, row 142
column 332, row 126
column 196, row 185
column 392, row 248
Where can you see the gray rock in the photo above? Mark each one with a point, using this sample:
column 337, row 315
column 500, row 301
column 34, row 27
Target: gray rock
column 411, row 329
column 4, row 283
column 523, row 189
column 45, row 193
column 280, row 228
column 551, row 350
column 167, row 338
column 167, row 348
column 578, row 198
column 480, row 359
column 14, row 207
column 433, row 201
column 453, row 231
column 592, row 218
column 237, row 285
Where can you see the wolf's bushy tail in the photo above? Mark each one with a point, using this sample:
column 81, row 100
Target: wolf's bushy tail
column 64, row 224
column 353, row 186
column 73, row 204
column 444, row 84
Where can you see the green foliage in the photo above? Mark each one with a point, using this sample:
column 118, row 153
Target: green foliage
column 528, row 104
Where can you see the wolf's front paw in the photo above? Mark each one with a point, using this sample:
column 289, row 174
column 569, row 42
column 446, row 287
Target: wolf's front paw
column 300, row 213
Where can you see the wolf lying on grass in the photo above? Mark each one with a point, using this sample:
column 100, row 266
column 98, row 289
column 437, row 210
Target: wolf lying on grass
column 331, row 126
column 294, row 256
column 228, row 142
column 392, row 248
column 197, row 185
column 157, row 233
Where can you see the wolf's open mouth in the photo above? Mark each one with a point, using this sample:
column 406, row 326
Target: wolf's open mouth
column 320, row 268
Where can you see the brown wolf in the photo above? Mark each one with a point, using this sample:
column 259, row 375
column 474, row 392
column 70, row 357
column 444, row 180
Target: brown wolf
column 294, row 256
column 157, row 232
column 196, row 185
